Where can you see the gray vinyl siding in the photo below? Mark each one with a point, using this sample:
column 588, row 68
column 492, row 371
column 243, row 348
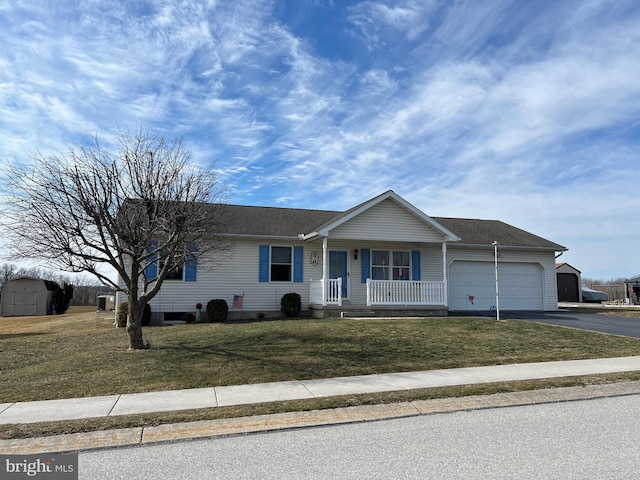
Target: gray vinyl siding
column 387, row 221
column 234, row 273
column 431, row 264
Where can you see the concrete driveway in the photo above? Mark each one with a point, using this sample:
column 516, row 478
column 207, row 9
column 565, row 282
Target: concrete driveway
column 629, row 327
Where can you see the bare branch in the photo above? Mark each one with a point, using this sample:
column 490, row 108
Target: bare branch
column 90, row 206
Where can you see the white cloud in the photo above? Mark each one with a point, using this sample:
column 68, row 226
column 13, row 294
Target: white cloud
column 513, row 110
column 407, row 17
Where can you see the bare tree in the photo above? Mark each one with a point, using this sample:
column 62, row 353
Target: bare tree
column 8, row 272
column 140, row 204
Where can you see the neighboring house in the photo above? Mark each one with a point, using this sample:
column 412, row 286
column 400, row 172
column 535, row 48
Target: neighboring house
column 569, row 282
column 381, row 257
column 27, row 296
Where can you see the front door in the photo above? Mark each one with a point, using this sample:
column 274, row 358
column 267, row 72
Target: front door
column 338, row 268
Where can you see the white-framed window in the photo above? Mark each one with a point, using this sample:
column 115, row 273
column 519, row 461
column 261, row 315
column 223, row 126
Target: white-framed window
column 380, row 265
column 386, row 264
column 281, row 264
column 401, row 265
column 186, row 269
column 177, row 273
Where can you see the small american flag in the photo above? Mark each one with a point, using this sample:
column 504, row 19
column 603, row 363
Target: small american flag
column 471, row 297
column 237, row 301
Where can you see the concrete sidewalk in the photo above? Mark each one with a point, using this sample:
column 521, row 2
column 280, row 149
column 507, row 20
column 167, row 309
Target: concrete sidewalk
column 127, row 404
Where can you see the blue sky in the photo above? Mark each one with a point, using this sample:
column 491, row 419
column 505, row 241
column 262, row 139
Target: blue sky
column 526, row 112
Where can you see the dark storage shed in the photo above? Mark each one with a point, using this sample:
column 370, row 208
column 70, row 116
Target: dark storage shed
column 569, row 282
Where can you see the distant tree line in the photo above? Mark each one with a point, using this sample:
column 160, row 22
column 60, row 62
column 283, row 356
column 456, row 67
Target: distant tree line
column 85, row 290
column 590, row 282
column 614, row 287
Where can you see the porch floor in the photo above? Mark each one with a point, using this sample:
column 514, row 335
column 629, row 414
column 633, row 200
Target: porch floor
column 348, row 310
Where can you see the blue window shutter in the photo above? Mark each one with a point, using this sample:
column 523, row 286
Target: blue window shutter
column 415, row 265
column 264, row 263
column 191, row 265
column 298, row 262
column 151, row 271
column 365, row 264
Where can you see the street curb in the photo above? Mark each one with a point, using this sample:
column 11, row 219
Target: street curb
column 283, row 421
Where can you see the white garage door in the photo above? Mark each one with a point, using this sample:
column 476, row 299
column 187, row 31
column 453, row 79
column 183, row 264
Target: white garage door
column 472, row 286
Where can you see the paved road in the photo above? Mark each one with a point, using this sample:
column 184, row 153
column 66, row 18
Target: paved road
column 571, row 440
column 629, row 327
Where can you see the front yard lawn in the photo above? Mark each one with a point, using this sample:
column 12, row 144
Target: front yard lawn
column 75, row 355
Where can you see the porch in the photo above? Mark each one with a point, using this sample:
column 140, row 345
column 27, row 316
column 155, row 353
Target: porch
column 384, row 298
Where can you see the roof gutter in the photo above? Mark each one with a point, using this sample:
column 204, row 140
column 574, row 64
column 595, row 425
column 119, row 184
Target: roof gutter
column 277, row 237
column 308, row 236
column 511, row 247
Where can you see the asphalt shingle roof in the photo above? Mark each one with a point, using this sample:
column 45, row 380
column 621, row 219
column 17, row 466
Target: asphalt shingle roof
column 485, row 232
column 274, row 221
column 290, row 222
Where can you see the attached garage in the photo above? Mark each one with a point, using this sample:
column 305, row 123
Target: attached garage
column 526, row 267
column 473, row 286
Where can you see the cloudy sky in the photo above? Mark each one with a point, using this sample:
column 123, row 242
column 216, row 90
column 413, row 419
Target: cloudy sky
column 522, row 111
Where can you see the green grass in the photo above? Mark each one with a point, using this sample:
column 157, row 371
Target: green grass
column 75, row 355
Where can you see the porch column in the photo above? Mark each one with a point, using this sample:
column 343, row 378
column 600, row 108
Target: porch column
column 444, row 274
column 325, row 260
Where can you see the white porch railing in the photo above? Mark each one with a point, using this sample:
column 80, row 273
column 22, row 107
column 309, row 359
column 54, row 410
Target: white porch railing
column 332, row 291
column 404, row 292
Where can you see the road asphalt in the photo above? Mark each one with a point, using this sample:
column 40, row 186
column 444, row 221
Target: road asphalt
column 127, row 404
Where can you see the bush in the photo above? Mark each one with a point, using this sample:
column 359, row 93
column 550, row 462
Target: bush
column 62, row 297
column 123, row 311
column 290, row 304
column 189, row 318
column 217, row 310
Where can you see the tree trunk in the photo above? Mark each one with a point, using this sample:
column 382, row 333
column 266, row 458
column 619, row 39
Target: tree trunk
column 134, row 326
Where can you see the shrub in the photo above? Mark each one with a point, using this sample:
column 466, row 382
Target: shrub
column 62, row 297
column 217, row 310
column 290, row 304
column 123, row 311
column 189, row 318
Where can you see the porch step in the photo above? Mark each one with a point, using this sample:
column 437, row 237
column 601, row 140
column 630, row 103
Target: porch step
column 357, row 313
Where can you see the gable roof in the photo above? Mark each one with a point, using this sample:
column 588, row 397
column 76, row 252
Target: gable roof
column 344, row 217
column 485, row 232
column 565, row 264
column 292, row 222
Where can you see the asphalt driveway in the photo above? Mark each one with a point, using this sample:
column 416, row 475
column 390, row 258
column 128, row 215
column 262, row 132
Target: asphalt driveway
column 629, row 327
